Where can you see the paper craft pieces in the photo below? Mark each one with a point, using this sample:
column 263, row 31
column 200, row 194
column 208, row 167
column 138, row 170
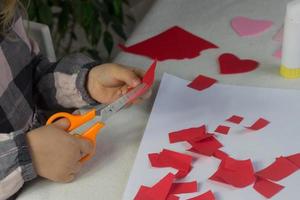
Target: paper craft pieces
column 259, row 124
column 167, row 158
column 159, row 191
column 235, row 119
column 184, row 187
column 206, row 146
column 202, row 82
column 278, row 53
column 238, row 173
column 172, row 197
column 220, row 154
column 278, row 170
column 174, row 43
column 190, row 134
column 149, row 76
column 295, row 159
column 231, row 64
column 245, row 26
column 222, row 129
column 267, row 188
column 206, row 196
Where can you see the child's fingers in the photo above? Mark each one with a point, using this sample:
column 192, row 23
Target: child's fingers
column 77, row 168
column 128, row 76
column 86, row 146
column 62, row 123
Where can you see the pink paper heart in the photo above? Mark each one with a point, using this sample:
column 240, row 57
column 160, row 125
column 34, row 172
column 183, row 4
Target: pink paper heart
column 244, row 26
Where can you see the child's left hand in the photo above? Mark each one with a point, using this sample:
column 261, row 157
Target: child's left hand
column 108, row 82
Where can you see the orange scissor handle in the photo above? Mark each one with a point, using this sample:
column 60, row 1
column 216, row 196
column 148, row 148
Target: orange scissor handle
column 75, row 120
column 91, row 134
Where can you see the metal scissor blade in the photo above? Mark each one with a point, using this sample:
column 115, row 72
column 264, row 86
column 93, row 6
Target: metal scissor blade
column 116, row 106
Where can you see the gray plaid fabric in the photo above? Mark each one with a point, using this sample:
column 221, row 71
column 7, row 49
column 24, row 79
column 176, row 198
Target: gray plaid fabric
column 30, row 84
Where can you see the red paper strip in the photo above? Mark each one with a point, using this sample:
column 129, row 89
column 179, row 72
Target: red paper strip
column 278, row 170
column 231, row 64
column 175, row 43
column 220, row 154
column 222, row 129
column 206, row 196
column 167, row 158
column 190, row 134
column 235, row 119
column 172, row 197
column 202, row 82
column 238, row 173
column 206, row 147
column 267, row 188
column 295, row 159
column 185, row 187
column 259, row 124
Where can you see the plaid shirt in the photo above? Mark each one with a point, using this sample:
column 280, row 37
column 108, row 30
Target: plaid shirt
column 29, row 83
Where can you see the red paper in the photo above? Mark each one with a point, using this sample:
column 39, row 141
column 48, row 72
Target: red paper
column 185, row 187
column 222, row 129
column 235, row 119
column 231, row 64
column 190, row 134
column 207, row 146
column 175, row 43
column 295, row 159
column 172, row 197
column 278, row 170
column 159, row 191
column 202, row 82
column 259, row 124
column 238, row 173
column 220, row 154
column 267, row 188
column 206, row 196
column 167, row 158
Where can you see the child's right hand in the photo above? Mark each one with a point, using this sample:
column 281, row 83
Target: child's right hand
column 56, row 153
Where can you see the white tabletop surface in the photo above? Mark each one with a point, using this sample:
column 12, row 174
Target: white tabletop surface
column 106, row 176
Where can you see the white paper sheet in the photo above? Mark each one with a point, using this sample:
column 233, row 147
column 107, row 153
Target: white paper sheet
column 177, row 107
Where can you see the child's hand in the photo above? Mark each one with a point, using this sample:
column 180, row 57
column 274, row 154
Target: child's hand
column 56, row 153
column 107, row 82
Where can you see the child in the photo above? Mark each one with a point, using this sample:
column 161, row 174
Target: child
column 29, row 84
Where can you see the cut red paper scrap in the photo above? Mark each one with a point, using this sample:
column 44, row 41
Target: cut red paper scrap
column 259, row 124
column 220, row 154
column 184, row 187
column 167, row 158
column 278, row 170
column 295, row 159
column 267, row 188
column 202, row 82
column 159, row 191
column 206, row 147
column 235, row 119
column 238, row 173
column 174, row 43
column 222, row 129
column 231, row 64
column 206, row 196
column 190, row 134
column 172, row 197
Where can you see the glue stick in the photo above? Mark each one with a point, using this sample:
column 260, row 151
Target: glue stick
column 290, row 62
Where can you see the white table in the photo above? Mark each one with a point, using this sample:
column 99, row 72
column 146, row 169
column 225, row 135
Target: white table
column 105, row 177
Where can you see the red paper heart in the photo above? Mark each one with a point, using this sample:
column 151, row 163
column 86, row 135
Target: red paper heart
column 231, row 64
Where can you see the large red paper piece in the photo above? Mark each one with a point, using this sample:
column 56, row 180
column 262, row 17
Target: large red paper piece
column 267, row 188
column 259, row 124
column 231, row 64
column 206, row 196
column 202, row 82
column 176, row 160
column 185, row 187
column 159, row 191
column 238, row 173
column 295, row 159
column 222, row 129
column 278, row 170
column 172, row 197
column 235, row 119
column 206, row 147
column 190, row 134
column 174, row 43
column 220, row 154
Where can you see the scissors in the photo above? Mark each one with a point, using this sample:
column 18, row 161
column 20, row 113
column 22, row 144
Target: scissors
column 97, row 115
